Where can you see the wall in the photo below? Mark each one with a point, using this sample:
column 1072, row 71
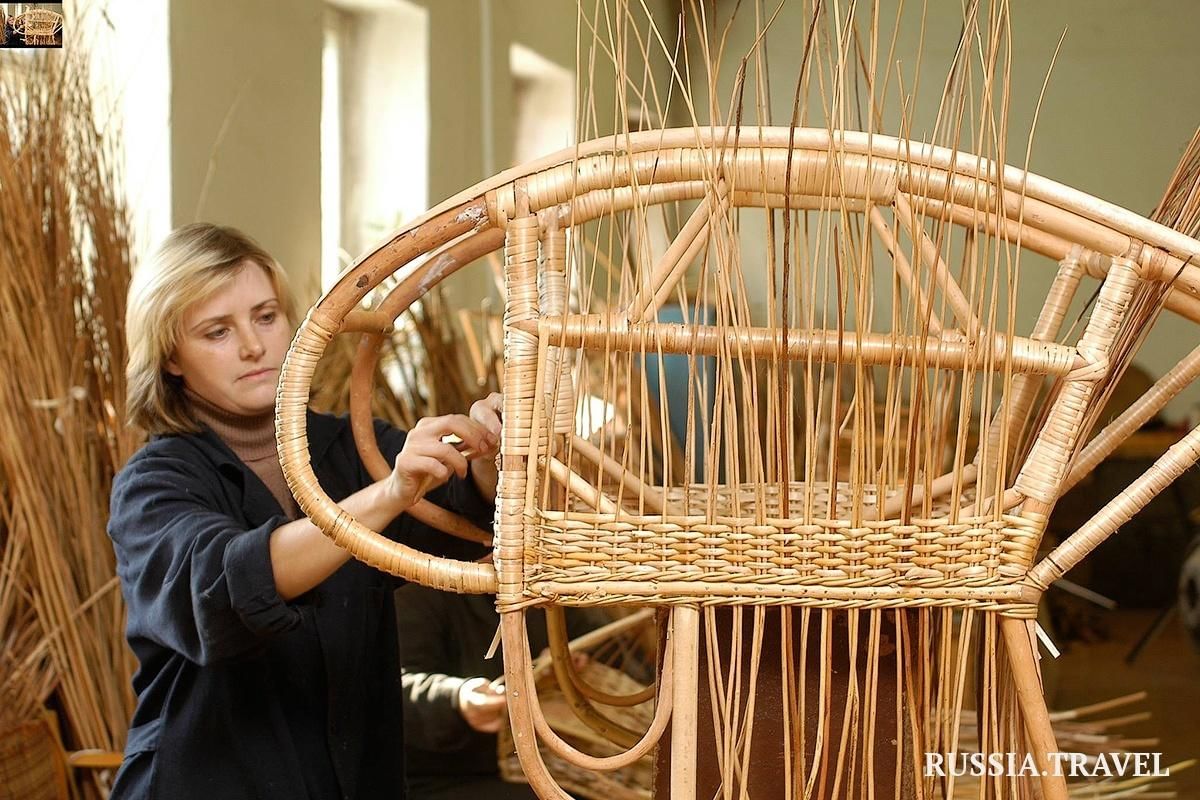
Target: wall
column 245, row 122
column 470, row 111
column 245, row 98
column 131, row 87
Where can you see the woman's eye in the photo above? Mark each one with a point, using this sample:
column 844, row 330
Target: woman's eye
column 267, row 319
column 218, row 333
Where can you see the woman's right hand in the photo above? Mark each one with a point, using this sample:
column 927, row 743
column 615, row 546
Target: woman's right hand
column 435, row 449
column 482, row 703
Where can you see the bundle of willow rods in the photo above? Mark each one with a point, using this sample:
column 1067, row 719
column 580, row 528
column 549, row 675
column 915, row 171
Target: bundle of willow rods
column 65, row 255
column 1180, row 205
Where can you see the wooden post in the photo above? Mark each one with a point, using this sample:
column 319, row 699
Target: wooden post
column 685, row 642
column 1028, row 680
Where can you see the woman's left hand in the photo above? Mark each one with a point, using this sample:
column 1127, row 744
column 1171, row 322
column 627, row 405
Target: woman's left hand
column 488, row 412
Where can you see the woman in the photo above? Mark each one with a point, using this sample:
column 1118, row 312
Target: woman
column 268, row 663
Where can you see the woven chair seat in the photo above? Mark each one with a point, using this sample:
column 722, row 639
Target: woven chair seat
column 762, row 554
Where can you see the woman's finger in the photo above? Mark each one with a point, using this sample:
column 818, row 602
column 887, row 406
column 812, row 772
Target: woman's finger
column 428, row 470
column 490, row 703
column 446, row 454
column 489, row 412
column 474, row 436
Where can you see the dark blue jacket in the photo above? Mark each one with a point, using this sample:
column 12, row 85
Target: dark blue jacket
column 240, row 694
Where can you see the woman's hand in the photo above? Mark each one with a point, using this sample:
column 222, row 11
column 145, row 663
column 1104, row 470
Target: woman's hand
column 482, row 704
column 435, row 449
column 488, row 412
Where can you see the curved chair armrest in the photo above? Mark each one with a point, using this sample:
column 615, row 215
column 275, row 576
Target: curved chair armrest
column 94, row 759
column 1181, row 457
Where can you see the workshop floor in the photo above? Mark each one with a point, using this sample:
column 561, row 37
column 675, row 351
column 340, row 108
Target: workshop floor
column 1168, row 668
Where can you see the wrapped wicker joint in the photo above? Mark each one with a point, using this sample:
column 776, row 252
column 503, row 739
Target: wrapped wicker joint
column 871, row 443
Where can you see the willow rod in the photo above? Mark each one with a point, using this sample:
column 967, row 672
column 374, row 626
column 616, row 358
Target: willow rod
column 1179, row 458
column 941, row 273
column 648, row 495
column 904, row 270
column 881, row 147
column 1022, row 658
column 575, row 483
column 678, row 255
column 684, row 642
column 564, row 667
column 1133, row 418
column 600, row 332
column 527, row 713
column 569, row 684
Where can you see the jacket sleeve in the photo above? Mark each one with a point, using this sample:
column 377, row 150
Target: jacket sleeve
column 459, row 495
column 432, row 721
column 195, row 581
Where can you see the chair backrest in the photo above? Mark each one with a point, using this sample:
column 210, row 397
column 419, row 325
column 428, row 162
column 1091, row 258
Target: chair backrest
column 946, row 509
column 865, row 425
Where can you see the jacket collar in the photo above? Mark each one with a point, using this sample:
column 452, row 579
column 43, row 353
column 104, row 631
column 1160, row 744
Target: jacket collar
column 323, row 430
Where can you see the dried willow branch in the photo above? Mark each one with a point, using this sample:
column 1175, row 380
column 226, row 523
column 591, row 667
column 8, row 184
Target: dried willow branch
column 65, row 260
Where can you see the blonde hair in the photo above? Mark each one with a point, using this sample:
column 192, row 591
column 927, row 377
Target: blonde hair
column 193, row 262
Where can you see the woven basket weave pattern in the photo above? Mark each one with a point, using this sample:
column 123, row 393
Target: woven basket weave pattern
column 31, row 763
column 791, row 555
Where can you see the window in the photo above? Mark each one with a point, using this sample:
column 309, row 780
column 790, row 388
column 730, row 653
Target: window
column 374, row 125
column 544, row 105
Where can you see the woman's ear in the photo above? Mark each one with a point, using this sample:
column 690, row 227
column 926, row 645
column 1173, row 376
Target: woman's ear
column 172, row 368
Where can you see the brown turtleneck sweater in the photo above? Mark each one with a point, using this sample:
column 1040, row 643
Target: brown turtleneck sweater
column 252, row 439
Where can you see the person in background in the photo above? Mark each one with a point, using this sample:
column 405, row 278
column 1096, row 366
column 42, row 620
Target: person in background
column 454, row 697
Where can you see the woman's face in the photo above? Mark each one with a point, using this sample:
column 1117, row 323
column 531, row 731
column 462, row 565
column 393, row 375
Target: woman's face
column 232, row 344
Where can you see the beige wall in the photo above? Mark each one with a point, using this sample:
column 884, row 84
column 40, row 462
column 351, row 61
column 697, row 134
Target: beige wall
column 463, row 33
column 1123, row 102
column 1114, row 121
column 1121, row 105
column 245, row 122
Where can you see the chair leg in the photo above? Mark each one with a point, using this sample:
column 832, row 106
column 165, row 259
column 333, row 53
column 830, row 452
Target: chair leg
column 519, row 686
column 685, row 632
column 1032, row 702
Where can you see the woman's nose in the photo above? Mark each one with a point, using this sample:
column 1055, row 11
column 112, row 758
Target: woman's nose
column 252, row 346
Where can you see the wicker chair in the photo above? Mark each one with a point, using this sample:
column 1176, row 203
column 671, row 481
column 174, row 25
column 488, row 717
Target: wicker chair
column 34, row 766
column 39, row 26
column 965, row 539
